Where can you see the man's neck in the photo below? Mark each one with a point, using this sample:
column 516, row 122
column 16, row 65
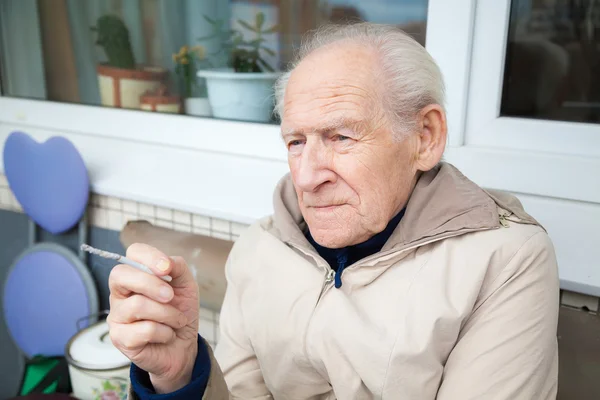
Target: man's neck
column 340, row 258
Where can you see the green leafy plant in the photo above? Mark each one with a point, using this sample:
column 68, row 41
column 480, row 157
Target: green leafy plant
column 187, row 61
column 113, row 37
column 243, row 55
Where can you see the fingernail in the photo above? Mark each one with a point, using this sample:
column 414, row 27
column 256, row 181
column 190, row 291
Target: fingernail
column 164, row 293
column 163, row 264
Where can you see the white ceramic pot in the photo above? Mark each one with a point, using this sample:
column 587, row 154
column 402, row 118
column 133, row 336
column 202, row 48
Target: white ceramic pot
column 198, row 106
column 246, row 96
column 96, row 368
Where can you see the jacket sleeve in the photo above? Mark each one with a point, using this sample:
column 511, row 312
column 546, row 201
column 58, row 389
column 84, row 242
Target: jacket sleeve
column 215, row 388
column 234, row 369
column 235, row 353
column 507, row 348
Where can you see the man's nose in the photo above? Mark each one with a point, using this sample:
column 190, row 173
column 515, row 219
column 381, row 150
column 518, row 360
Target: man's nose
column 314, row 168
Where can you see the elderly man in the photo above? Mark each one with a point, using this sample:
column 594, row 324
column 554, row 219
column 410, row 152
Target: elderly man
column 383, row 273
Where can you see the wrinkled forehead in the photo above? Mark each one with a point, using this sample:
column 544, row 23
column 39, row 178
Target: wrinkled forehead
column 327, row 86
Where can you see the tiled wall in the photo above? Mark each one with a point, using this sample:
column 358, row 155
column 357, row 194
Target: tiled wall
column 113, row 213
column 7, row 199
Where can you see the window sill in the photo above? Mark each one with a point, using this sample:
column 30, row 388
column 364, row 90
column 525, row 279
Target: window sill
column 222, row 169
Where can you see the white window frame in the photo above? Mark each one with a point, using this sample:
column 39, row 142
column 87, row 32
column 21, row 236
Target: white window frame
column 204, row 134
column 468, row 40
column 466, row 37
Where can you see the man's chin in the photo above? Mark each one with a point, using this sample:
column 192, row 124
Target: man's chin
column 330, row 243
column 329, row 235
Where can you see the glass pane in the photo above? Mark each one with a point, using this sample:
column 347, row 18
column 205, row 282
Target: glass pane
column 148, row 54
column 553, row 61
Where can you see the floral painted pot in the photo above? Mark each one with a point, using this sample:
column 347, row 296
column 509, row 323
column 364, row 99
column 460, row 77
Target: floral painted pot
column 98, row 371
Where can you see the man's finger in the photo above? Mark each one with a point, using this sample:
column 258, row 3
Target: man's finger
column 158, row 262
column 124, row 280
column 140, row 308
column 181, row 273
column 135, row 336
column 151, row 257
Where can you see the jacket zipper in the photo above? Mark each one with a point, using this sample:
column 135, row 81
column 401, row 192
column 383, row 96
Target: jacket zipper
column 329, row 277
column 504, row 218
column 330, row 273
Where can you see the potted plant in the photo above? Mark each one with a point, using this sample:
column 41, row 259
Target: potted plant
column 187, row 62
column 244, row 91
column 160, row 100
column 121, row 81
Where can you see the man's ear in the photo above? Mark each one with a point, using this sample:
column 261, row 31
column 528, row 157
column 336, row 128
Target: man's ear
column 432, row 137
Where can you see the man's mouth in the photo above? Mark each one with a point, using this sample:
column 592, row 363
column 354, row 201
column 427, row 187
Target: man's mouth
column 326, row 207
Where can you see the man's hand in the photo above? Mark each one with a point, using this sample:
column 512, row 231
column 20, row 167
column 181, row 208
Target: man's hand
column 155, row 323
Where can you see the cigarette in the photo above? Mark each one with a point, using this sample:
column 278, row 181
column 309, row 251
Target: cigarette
column 122, row 259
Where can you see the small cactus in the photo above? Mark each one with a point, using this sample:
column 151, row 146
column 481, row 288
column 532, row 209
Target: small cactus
column 113, row 36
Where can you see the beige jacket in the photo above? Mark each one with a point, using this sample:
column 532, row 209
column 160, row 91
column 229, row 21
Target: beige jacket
column 461, row 303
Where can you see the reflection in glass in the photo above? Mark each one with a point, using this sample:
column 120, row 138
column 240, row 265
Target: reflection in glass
column 552, row 66
column 147, row 54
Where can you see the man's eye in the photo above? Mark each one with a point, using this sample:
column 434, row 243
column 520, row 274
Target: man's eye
column 341, row 138
column 294, row 143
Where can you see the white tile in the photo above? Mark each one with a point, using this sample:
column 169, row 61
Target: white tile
column 102, row 201
column 182, row 227
column 114, row 203
column 220, row 225
column 206, row 329
column 129, row 217
column 219, row 235
column 182, row 217
column 14, row 203
column 129, row 206
column 5, row 194
column 207, row 314
column 151, row 220
column 237, row 228
column 164, row 223
column 579, row 300
column 201, row 231
column 164, row 213
column 114, row 219
column 99, row 217
column 3, row 180
column 146, row 210
column 200, row 221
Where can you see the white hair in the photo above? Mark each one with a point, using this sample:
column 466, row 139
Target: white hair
column 410, row 75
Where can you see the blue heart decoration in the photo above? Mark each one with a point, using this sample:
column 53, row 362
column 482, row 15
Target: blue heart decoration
column 49, row 180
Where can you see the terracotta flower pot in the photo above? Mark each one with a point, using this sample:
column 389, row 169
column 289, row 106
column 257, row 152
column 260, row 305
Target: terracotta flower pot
column 122, row 88
column 160, row 100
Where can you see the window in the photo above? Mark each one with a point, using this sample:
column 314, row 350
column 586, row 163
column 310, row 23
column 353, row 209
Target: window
column 534, row 152
column 553, row 61
column 172, row 56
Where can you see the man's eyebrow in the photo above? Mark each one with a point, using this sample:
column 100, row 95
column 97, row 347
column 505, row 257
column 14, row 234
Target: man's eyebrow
column 342, row 122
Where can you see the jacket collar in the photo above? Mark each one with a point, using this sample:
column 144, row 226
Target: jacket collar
column 443, row 203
